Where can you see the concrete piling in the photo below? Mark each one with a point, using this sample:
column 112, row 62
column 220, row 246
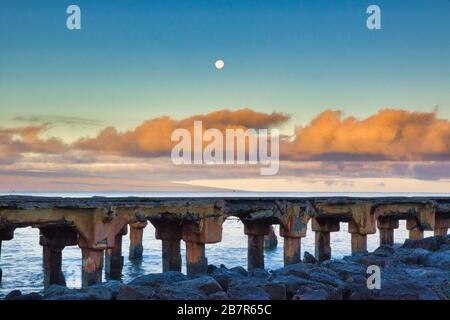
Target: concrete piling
column 256, row 230
column 92, row 266
column 170, row 233
column 114, row 258
column 386, row 226
column 323, row 228
column 136, row 235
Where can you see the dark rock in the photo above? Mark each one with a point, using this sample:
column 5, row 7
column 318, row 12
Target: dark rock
column 410, row 256
column 157, row 279
column 130, row 292
column 367, row 259
column 258, row 273
column 326, row 276
column 174, row 292
column 57, row 290
column 430, row 243
column 440, row 259
column 345, row 269
column 224, row 276
column 355, row 288
column 275, row 290
column 218, row 296
column 30, row 296
column 204, row 284
column 248, row 293
column 311, row 295
column 393, row 289
column 298, row 269
column 211, row 268
column 240, row 270
column 309, row 258
column 384, row 251
column 13, row 294
column 96, row 292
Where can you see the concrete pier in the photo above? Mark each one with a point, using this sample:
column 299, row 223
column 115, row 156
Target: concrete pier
column 136, row 235
column 92, row 266
column 196, row 262
column 98, row 225
column 386, row 226
column 322, row 229
column 255, row 231
column 196, row 234
column 170, row 233
column 53, row 240
column 114, row 258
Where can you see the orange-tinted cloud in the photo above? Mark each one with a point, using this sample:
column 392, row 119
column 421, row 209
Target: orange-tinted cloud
column 153, row 137
column 14, row 142
column 389, row 134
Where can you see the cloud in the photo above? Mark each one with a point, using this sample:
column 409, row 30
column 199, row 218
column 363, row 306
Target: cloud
column 16, row 142
column 153, row 137
column 388, row 135
column 63, row 120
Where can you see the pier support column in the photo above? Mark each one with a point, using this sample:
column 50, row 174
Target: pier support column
column 169, row 232
column 386, row 226
column 359, row 243
column 136, row 234
column 196, row 261
column 92, row 266
column 415, row 231
column 441, row 225
column 114, row 258
column 196, row 234
column 5, row 235
column 52, row 263
column 292, row 250
column 322, row 228
column 256, row 230
column 53, row 240
column 293, row 226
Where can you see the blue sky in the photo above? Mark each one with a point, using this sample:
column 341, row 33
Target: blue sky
column 139, row 60
column 149, row 58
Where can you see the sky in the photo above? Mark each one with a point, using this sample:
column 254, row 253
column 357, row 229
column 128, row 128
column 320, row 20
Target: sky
column 363, row 110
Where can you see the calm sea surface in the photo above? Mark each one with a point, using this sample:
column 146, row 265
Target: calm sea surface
column 21, row 258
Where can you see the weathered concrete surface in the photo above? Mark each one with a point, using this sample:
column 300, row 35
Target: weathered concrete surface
column 98, row 225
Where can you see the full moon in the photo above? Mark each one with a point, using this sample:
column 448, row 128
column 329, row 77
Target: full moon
column 219, row 64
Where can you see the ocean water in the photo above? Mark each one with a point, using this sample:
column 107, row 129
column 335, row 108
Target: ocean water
column 21, row 258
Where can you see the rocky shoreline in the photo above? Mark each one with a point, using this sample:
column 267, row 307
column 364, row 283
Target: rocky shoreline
column 417, row 270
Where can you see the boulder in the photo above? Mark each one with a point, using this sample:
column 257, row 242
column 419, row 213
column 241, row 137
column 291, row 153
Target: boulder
column 13, row 294
column 157, row 279
column 175, row 292
column 298, row 269
column 410, row 256
column 309, row 258
column 247, row 292
column 131, row 292
column 224, row 276
column 205, row 284
column 345, row 269
column 440, row 259
column 430, row 243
